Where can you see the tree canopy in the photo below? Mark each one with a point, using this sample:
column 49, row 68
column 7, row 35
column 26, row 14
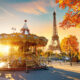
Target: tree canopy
column 70, row 45
column 72, row 17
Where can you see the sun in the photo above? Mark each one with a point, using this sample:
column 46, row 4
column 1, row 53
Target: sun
column 2, row 64
column 4, row 49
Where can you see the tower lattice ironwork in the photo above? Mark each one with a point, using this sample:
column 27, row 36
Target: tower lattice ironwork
column 55, row 45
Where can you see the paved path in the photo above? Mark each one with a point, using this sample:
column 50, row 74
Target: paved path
column 51, row 74
column 66, row 66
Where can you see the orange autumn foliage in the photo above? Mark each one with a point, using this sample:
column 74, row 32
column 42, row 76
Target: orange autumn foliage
column 70, row 45
column 72, row 17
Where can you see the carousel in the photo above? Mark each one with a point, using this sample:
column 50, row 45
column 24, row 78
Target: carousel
column 20, row 49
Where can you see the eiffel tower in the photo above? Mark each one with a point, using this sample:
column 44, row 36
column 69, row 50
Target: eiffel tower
column 55, row 46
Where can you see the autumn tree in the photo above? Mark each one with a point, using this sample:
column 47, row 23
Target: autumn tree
column 72, row 17
column 48, row 53
column 69, row 45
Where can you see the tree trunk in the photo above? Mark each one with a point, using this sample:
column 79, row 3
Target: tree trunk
column 70, row 59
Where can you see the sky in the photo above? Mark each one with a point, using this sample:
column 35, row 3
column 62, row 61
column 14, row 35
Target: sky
column 39, row 15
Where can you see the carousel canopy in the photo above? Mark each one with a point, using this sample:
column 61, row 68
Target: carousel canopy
column 18, row 39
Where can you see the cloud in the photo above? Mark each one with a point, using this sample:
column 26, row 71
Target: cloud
column 34, row 7
column 6, row 11
column 53, row 3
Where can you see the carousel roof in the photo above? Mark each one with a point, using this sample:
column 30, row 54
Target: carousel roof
column 18, row 38
column 25, row 29
column 25, row 25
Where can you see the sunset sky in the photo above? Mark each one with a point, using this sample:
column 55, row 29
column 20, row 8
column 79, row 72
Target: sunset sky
column 39, row 17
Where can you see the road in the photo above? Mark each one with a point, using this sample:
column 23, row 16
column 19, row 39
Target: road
column 51, row 74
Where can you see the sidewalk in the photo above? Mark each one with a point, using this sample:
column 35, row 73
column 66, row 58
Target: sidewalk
column 66, row 66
